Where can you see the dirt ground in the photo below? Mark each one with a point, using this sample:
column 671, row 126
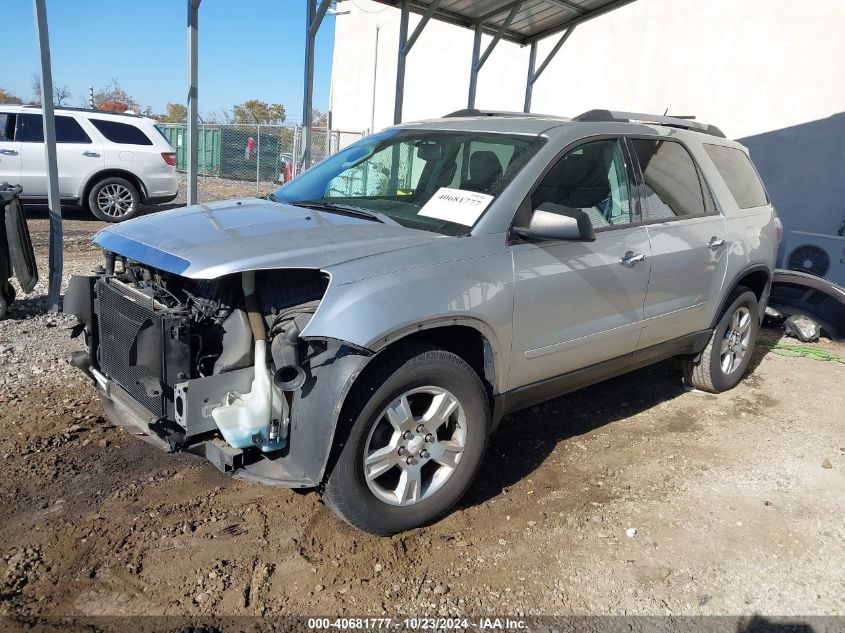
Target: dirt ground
column 630, row 497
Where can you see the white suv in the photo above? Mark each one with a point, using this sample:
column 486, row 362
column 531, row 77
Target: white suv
column 110, row 163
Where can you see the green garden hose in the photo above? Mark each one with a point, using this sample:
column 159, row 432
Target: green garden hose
column 802, row 351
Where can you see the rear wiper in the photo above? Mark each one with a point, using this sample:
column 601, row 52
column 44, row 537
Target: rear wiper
column 345, row 209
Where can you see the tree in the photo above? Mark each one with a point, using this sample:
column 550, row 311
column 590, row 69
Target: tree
column 113, row 98
column 61, row 94
column 8, row 98
column 255, row 111
column 319, row 119
column 176, row 113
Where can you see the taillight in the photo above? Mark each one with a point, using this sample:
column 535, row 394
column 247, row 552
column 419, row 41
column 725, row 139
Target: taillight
column 779, row 226
column 169, row 158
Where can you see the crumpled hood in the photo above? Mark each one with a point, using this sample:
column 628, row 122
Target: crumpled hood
column 209, row 240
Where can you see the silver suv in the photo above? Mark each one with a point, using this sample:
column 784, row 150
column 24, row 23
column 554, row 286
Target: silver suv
column 363, row 329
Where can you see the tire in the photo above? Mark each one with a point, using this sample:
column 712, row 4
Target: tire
column 723, row 362
column 9, row 294
column 114, row 200
column 4, row 306
column 430, row 380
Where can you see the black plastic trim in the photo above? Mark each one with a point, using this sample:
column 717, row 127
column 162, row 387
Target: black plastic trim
column 557, row 386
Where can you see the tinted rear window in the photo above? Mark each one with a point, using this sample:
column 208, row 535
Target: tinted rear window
column 739, row 175
column 68, row 130
column 122, row 133
column 670, row 180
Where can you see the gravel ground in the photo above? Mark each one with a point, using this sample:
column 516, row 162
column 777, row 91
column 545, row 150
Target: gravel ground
column 631, row 497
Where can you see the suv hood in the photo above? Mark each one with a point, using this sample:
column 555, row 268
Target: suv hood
column 209, row 240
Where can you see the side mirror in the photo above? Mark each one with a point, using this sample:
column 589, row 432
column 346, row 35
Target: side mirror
column 556, row 222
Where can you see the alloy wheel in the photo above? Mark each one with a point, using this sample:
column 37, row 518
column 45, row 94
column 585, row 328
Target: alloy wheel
column 415, row 446
column 736, row 341
column 114, row 200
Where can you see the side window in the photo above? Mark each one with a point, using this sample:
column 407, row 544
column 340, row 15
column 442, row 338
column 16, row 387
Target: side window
column 7, row 126
column 122, row 133
column 739, row 175
column 68, row 130
column 671, row 180
column 29, row 129
column 592, row 177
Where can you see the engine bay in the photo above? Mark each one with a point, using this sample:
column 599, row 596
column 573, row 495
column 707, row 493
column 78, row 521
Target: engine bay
column 205, row 358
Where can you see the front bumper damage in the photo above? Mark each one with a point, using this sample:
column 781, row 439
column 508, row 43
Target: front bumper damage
column 139, row 367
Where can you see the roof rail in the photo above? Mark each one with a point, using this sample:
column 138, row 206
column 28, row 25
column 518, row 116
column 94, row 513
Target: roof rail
column 497, row 113
column 73, row 109
column 684, row 123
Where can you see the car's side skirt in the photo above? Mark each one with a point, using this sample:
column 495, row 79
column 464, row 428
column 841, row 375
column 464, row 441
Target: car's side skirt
column 544, row 390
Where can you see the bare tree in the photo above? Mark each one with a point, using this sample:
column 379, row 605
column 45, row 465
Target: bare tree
column 61, row 94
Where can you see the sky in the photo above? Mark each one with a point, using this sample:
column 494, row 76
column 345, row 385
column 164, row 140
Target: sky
column 248, row 49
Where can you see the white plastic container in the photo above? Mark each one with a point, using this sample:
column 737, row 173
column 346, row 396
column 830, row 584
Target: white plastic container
column 244, row 419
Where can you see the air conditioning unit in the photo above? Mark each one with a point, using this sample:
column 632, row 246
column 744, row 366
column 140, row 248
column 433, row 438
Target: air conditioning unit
column 817, row 254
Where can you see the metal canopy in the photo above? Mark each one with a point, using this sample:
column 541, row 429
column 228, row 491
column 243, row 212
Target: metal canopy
column 531, row 21
column 524, row 22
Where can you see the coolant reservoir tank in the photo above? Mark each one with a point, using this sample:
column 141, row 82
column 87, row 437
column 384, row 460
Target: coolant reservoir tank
column 245, row 419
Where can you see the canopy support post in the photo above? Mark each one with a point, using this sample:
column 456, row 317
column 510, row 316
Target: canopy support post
column 478, row 61
column 532, row 61
column 49, row 124
column 193, row 111
column 313, row 18
column 405, row 45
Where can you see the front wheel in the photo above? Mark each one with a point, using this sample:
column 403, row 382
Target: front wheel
column 723, row 362
column 114, row 200
column 419, row 430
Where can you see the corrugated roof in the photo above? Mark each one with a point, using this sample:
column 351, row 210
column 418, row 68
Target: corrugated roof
column 533, row 20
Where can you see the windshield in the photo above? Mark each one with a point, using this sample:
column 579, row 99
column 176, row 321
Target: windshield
column 441, row 181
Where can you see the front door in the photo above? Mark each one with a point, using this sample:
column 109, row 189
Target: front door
column 688, row 242
column 10, row 151
column 578, row 304
column 76, row 154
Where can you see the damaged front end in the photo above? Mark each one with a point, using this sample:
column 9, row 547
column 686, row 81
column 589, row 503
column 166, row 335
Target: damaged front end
column 216, row 367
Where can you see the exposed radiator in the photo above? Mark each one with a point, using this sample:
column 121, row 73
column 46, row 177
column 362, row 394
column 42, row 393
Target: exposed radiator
column 120, row 320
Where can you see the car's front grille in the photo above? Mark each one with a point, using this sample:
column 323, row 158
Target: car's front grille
column 121, row 319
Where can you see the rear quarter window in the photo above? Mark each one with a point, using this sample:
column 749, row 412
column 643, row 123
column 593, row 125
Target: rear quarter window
column 122, row 133
column 739, row 175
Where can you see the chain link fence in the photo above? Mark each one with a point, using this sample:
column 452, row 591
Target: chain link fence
column 250, row 157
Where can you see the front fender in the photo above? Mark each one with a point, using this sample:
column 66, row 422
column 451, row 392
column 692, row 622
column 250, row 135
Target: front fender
column 373, row 312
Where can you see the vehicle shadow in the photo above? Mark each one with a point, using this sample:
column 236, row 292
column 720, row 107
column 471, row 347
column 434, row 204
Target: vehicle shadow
column 525, row 439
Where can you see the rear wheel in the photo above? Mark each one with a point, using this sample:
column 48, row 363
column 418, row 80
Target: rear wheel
column 723, row 362
column 114, row 200
column 419, row 431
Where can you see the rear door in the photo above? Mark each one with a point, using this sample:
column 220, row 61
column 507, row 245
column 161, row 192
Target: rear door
column 10, row 150
column 578, row 304
column 689, row 248
column 78, row 155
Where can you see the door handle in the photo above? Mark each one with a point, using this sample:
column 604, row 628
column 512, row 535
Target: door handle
column 715, row 243
column 9, row 152
column 91, row 154
column 629, row 259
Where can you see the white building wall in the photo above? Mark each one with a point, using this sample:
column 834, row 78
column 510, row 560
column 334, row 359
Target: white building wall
column 768, row 72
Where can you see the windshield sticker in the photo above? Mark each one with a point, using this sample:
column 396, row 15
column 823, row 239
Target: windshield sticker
column 456, row 205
